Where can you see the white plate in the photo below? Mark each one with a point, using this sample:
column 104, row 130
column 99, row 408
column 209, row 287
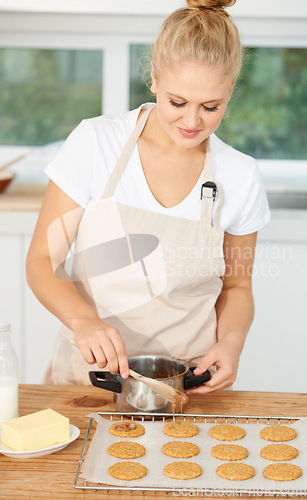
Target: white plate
column 5, row 450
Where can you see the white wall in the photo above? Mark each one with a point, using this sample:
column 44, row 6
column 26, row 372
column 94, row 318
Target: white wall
column 261, row 8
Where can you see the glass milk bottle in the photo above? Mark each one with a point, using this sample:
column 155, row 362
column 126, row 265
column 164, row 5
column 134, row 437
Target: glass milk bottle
column 8, row 375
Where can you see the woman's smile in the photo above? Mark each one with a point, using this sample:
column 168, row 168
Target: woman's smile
column 189, row 134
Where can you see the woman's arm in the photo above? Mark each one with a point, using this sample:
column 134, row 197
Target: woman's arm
column 98, row 342
column 235, row 312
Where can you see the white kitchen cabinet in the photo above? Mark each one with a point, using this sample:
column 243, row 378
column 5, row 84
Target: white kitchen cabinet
column 11, row 289
column 274, row 355
column 40, row 329
column 34, row 328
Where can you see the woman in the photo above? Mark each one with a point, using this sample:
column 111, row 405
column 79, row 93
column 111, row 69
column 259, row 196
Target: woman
column 163, row 216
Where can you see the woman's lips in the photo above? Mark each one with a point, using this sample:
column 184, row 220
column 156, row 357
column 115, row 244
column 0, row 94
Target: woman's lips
column 188, row 133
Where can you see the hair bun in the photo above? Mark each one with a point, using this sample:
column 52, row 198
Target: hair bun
column 210, row 4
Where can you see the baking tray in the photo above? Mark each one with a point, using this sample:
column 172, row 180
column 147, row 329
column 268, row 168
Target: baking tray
column 79, row 483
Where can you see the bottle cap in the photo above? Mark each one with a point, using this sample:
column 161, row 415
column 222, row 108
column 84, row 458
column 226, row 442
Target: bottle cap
column 5, row 327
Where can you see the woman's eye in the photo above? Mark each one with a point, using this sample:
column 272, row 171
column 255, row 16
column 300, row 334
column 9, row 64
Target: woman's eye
column 211, row 110
column 181, row 104
column 177, row 104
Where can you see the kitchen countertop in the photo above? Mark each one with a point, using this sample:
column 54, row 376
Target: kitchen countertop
column 53, row 476
column 22, row 197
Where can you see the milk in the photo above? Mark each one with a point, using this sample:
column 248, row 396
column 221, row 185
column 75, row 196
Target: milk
column 8, row 398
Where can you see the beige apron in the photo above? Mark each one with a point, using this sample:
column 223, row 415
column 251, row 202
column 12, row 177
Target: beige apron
column 154, row 277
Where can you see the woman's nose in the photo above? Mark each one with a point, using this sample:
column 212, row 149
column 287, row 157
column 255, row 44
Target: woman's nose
column 192, row 119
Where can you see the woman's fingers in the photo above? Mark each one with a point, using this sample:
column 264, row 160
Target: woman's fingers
column 113, row 348
column 111, row 356
column 86, row 351
column 204, row 389
column 224, row 377
column 102, row 344
column 120, row 349
column 208, row 360
column 99, row 356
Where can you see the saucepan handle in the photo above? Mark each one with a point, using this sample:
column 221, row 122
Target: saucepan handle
column 191, row 380
column 105, row 380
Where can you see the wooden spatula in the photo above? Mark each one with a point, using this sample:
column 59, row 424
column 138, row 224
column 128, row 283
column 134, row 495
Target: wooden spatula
column 11, row 162
column 168, row 392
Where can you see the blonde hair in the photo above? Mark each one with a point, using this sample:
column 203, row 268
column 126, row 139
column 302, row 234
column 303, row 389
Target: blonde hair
column 201, row 32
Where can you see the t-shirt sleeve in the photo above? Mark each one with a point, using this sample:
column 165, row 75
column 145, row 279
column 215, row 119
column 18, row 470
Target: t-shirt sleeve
column 72, row 168
column 255, row 212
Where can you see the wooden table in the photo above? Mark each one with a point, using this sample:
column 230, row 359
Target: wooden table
column 53, row 476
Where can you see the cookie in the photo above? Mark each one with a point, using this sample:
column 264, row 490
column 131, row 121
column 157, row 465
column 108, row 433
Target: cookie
column 127, row 429
column 226, row 432
column 180, row 449
column 229, row 452
column 278, row 433
column 279, row 452
column 235, row 471
column 282, row 472
column 182, row 470
column 127, row 470
column 180, row 429
column 126, row 449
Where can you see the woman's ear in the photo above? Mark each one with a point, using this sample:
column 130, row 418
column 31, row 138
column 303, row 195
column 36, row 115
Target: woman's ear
column 153, row 86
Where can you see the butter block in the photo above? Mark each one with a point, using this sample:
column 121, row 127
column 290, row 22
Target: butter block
column 37, row 430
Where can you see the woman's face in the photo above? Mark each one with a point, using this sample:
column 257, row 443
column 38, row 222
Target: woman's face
column 191, row 102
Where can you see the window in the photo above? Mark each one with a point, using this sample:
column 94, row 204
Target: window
column 45, row 93
column 266, row 116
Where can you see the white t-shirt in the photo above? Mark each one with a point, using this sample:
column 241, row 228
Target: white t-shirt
column 85, row 162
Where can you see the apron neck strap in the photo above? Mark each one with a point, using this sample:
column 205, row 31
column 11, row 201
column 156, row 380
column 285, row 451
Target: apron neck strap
column 125, row 154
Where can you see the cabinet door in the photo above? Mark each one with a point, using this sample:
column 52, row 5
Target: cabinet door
column 11, row 292
column 41, row 328
column 274, row 356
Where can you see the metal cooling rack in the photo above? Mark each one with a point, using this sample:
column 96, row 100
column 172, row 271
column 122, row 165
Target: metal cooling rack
column 214, row 419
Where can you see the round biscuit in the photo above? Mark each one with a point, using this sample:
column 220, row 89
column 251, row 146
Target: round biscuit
column 126, row 429
column 235, row 471
column 229, row 452
column 180, row 449
column 127, row 470
column 282, row 472
column 226, row 432
column 279, row 452
column 126, row 449
column 278, row 433
column 182, row 470
column 180, row 429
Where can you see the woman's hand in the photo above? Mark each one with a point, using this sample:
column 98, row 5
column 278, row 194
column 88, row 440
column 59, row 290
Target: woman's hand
column 102, row 344
column 224, row 355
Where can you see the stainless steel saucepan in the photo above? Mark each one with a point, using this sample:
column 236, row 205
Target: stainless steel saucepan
column 133, row 395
